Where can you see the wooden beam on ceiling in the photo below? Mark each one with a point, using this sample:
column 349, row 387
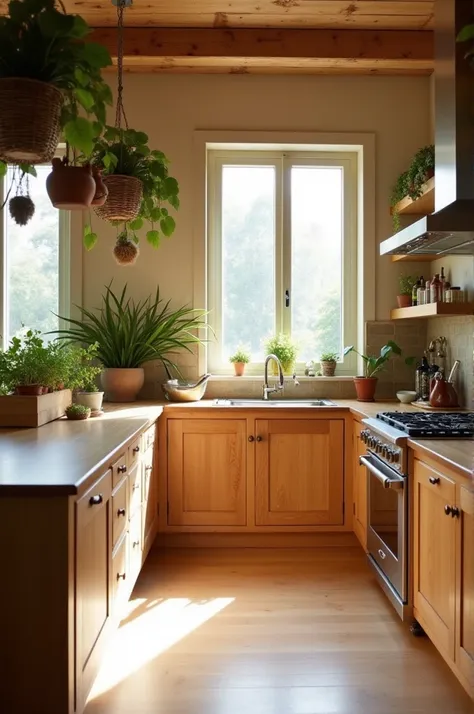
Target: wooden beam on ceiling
column 272, row 51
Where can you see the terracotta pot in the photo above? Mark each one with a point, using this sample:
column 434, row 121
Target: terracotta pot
column 404, row 300
column 239, row 368
column 101, row 190
column 93, row 400
column 328, row 368
column 122, row 385
column 29, row 390
column 70, row 187
column 365, row 388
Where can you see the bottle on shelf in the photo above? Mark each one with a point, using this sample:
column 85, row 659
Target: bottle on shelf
column 414, row 293
column 421, row 294
column 442, row 280
column 427, row 292
column 422, row 380
column 435, row 289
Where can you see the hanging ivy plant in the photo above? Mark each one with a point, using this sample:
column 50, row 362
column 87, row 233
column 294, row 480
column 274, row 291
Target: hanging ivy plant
column 41, row 43
column 125, row 152
column 410, row 183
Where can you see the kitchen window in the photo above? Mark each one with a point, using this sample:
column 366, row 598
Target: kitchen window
column 282, row 237
column 34, row 263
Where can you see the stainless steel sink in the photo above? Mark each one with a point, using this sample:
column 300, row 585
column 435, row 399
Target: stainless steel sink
column 273, row 403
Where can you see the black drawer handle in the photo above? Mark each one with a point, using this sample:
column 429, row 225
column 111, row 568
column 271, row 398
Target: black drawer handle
column 434, row 480
column 136, row 449
column 121, row 469
column 452, row 511
column 121, row 576
column 95, row 500
column 121, row 512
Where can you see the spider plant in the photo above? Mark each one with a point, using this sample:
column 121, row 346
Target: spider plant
column 128, row 333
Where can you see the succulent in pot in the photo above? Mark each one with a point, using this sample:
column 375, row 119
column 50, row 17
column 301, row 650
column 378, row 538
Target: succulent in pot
column 129, row 333
column 328, row 361
column 366, row 384
column 406, row 283
column 50, row 81
column 78, row 412
column 283, row 347
column 239, row 359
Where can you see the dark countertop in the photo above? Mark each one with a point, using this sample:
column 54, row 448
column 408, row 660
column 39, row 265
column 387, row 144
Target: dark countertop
column 58, row 458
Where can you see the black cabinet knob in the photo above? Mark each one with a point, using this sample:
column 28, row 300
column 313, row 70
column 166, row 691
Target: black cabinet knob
column 434, row 480
column 121, row 469
column 121, row 512
column 121, row 576
column 136, row 449
column 95, row 500
column 448, row 510
column 251, row 438
column 259, row 438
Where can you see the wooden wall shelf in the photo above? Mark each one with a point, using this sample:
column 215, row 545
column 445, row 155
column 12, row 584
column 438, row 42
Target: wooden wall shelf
column 427, row 258
column 433, row 309
column 421, row 206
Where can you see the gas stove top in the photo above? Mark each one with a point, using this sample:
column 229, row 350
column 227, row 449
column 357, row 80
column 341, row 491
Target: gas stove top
column 430, row 425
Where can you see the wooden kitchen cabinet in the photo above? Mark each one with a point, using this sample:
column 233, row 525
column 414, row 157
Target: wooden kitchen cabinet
column 434, row 561
column 207, row 471
column 465, row 585
column 93, row 579
column 359, row 487
column 299, row 472
column 150, row 495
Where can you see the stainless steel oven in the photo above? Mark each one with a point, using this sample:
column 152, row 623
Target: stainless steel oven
column 387, row 514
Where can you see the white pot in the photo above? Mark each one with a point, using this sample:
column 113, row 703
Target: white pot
column 90, row 399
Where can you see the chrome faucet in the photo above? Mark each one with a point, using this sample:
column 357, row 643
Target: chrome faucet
column 278, row 387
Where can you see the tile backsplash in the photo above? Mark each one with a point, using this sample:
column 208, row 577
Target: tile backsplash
column 459, row 331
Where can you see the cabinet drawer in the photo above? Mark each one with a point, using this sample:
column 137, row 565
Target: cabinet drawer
column 135, row 490
column 120, row 573
column 135, row 551
column 94, row 499
column 427, row 476
column 119, row 468
column 119, row 511
column 148, row 438
column 134, row 451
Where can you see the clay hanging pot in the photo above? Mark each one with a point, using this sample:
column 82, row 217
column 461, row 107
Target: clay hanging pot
column 71, row 188
column 101, row 190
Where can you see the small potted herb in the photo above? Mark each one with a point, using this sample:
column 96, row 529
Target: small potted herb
column 328, row 362
column 366, row 384
column 406, row 283
column 283, row 347
column 239, row 359
column 78, row 412
column 81, row 374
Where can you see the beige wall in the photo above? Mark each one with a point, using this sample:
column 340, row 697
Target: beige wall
column 171, row 108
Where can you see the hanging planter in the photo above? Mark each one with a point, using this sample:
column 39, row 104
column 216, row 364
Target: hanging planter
column 101, row 190
column 48, row 73
column 124, row 198
column 70, row 187
column 21, row 206
column 125, row 250
column 139, row 185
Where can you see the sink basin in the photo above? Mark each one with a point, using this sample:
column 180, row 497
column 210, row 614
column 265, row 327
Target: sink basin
column 273, row 403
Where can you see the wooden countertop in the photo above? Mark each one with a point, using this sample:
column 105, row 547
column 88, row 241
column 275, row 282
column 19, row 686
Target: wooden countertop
column 59, row 457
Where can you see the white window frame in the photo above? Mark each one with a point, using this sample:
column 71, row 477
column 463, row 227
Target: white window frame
column 64, row 264
column 283, row 160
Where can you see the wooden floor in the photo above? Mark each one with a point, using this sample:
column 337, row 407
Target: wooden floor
column 268, row 632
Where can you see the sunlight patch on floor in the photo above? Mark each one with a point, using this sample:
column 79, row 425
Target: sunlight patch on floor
column 149, row 634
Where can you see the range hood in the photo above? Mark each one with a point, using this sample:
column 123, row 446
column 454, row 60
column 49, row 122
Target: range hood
column 450, row 229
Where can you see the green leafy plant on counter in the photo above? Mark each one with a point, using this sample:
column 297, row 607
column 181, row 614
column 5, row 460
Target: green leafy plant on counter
column 406, row 284
column 329, row 357
column 240, row 355
column 78, row 412
column 126, row 152
column 127, row 333
column 283, row 347
column 374, row 364
column 39, row 42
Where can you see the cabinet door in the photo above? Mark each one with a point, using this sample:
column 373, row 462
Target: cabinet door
column 359, row 488
column 299, row 472
column 434, row 578
column 207, row 472
column 465, row 585
column 93, row 578
column 150, row 495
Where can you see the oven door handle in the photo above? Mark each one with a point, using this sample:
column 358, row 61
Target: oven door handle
column 393, row 483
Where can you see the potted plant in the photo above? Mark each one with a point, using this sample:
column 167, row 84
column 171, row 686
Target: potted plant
column 366, row 384
column 285, row 349
column 328, row 361
column 27, row 365
column 49, row 78
column 239, row 359
column 127, row 334
column 126, row 249
column 79, row 373
column 406, row 283
column 78, row 412
column 410, row 183
column 140, row 189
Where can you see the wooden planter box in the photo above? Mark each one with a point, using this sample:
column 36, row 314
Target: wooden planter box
column 33, row 411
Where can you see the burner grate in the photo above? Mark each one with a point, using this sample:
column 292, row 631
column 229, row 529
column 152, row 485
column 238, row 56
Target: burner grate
column 442, row 424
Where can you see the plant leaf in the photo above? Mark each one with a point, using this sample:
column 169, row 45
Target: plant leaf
column 96, row 55
column 467, row 33
column 53, row 23
column 136, row 224
column 85, row 98
column 28, row 169
column 171, row 185
column 153, row 238
column 80, row 27
column 3, row 169
column 167, row 225
column 90, row 239
column 79, row 133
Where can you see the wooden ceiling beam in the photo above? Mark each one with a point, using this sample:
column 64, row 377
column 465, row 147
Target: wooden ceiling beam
column 165, row 48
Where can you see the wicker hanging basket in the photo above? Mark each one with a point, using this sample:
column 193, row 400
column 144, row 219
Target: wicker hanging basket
column 124, row 198
column 29, row 120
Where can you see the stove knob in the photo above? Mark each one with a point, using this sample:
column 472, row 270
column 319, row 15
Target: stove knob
column 384, row 450
column 372, row 441
column 363, row 436
column 379, row 447
column 390, row 455
column 396, row 456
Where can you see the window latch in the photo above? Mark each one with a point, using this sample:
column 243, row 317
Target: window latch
column 287, row 298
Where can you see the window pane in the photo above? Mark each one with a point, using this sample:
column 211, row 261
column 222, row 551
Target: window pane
column 248, row 257
column 316, row 265
column 32, row 263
